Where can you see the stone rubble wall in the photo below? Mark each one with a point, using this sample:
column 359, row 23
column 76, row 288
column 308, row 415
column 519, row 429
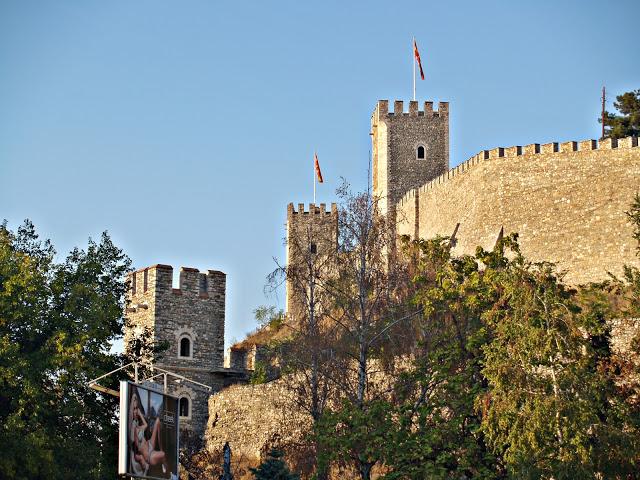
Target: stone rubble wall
column 254, row 419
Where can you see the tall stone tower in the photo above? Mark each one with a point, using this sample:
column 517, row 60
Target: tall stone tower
column 312, row 239
column 190, row 321
column 409, row 149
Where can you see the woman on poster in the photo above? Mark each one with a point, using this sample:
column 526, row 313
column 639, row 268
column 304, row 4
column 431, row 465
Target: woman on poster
column 146, row 452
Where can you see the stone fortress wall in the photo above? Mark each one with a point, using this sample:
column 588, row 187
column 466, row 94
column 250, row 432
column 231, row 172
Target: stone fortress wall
column 253, row 419
column 566, row 201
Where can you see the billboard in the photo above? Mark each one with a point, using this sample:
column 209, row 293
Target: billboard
column 148, row 433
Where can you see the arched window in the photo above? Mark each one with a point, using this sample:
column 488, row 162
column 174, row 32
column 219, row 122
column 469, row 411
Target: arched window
column 185, row 347
column 183, row 408
column 420, row 152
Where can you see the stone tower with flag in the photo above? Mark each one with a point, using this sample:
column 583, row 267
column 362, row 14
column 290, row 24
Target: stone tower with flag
column 312, row 239
column 410, row 148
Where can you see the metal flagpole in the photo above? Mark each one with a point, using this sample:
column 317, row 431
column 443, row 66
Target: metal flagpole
column 314, row 177
column 413, row 60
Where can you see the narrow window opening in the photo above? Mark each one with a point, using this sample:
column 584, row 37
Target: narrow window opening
column 420, row 153
column 185, row 347
column 313, row 248
column 146, row 277
column 133, row 283
column 184, row 407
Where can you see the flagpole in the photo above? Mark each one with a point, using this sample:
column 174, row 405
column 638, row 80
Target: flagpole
column 314, row 177
column 413, row 61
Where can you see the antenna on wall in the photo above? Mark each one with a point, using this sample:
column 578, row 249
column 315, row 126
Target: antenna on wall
column 604, row 100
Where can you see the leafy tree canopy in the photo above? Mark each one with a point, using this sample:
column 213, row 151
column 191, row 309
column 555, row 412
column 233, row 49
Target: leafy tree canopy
column 57, row 323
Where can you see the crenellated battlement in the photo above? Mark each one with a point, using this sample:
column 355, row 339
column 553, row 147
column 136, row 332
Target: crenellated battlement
column 159, row 278
column 516, row 151
column 312, row 210
column 382, row 110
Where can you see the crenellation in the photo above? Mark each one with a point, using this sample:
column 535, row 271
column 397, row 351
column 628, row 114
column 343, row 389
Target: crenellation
column 608, row 144
column 313, row 209
column 496, row 152
column 189, row 280
column 428, row 109
column 514, row 151
column 569, row 147
column 413, row 108
column 628, row 142
column 382, row 110
column 161, row 278
column 587, row 145
column 551, row 147
column 532, row 148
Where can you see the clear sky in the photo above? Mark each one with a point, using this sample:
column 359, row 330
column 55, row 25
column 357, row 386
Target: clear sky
column 185, row 128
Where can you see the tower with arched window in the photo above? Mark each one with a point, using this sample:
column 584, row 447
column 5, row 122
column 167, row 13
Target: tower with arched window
column 409, row 149
column 188, row 322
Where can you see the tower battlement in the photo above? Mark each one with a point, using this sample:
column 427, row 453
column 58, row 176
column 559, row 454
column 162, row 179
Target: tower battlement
column 313, row 209
column 159, row 278
column 382, row 109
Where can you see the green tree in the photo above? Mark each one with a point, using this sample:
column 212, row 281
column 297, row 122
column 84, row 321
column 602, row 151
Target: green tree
column 274, row 468
column 434, row 427
column 57, row 322
column 553, row 408
column 627, row 122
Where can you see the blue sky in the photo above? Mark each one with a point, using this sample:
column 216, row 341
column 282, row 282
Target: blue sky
column 185, row 128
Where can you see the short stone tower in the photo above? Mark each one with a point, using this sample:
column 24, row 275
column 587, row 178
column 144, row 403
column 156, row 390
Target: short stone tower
column 190, row 320
column 409, row 149
column 312, row 238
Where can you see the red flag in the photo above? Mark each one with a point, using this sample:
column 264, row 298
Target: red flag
column 317, row 165
column 417, row 55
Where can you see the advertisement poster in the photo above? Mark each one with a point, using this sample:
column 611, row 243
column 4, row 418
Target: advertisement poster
column 148, row 433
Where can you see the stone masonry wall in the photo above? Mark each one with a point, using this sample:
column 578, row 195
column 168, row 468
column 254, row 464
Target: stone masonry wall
column 315, row 226
column 254, row 419
column 196, row 310
column 567, row 202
